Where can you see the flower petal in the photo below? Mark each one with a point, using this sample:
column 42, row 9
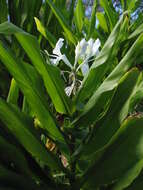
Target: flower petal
column 57, row 49
column 80, row 49
column 85, row 68
column 83, row 47
column 95, row 49
column 89, row 48
column 68, row 90
column 55, row 61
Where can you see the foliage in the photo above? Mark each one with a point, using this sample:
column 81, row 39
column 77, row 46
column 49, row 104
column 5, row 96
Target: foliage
column 62, row 127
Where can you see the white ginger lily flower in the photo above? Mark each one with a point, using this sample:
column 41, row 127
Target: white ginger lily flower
column 59, row 45
column 58, row 56
column 84, row 51
column 80, row 50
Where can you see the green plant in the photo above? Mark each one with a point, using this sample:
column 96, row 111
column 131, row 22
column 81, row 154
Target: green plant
column 89, row 138
column 68, row 22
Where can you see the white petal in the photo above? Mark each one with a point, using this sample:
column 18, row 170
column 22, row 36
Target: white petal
column 95, row 49
column 77, row 51
column 90, row 42
column 85, row 69
column 68, row 90
column 57, row 49
column 83, row 42
column 83, row 46
column 89, row 47
column 80, row 49
column 55, row 61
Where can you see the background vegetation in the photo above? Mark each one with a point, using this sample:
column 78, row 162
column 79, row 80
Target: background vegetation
column 61, row 128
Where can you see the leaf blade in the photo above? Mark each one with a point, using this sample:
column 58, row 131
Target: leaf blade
column 120, row 145
column 31, row 47
column 20, row 128
column 62, row 21
column 102, row 96
column 30, row 83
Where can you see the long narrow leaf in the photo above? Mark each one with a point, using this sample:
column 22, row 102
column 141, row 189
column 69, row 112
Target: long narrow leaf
column 138, row 31
column 12, row 181
column 62, row 21
column 79, row 15
column 13, row 92
column 102, row 21
column 8, row 152
column 118, row 111
column 19, row 126
column 31, row 85
column 101, row 64
column 111, row 14
column 93, row 108
column 93, row 20
column 51, row 39
column 122, row 156
column 47, row 71
column 3, row 11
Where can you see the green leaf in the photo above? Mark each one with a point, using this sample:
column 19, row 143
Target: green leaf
column 3, row 11
column 129, row 176
column 51, row 39
column 47, row 71
column 137, row 97
column 25, row 107
column 12, row 180
column 129, row 4
column 71, row 11
column 102, row 21
column 13, row 92
column 79, row 15
column 93, row 110
column 31, row 85
column 138, row 31
column 20, row 126
column 8, row 152
column 101, row 64
column 137, row 183
column 24, row 12
column 92, row 20
column 136, row 23
column 117, row 112
column 110, row 12
column 123, row 155
column 62, row 21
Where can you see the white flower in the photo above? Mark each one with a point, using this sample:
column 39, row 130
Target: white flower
column 95, row 48
column 69, row 89
column 80, row 50
column 85, row 68
column 92, row 48
column 89, row 47
column 58, row 56
column 59, row 45
column 84, row 51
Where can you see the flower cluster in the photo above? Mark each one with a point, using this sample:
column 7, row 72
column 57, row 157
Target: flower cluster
column 84, row 51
